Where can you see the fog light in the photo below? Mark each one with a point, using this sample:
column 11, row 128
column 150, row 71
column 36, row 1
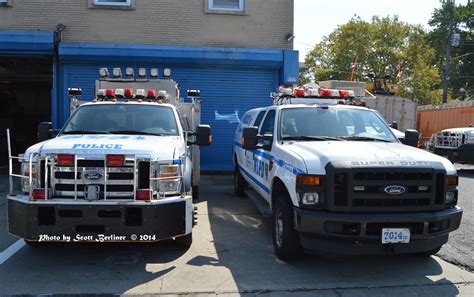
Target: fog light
column 310, row 198
column 450, row 197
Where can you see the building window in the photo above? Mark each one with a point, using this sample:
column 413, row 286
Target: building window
column 226, row 5
column 126, row 3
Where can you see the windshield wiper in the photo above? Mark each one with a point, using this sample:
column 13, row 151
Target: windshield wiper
column 83, row 132
column 309, row 138
column 363, row 138
column 132, row 132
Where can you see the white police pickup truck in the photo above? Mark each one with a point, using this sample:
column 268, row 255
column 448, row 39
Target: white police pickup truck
column 121, row 168
column 334, row 178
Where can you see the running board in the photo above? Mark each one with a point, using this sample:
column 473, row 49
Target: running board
column 261, row 204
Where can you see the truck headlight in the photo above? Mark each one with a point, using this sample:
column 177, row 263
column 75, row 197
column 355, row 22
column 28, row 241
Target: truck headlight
column 451, row 198
column 171, row 182
column 310, row 199
column 25, row 182
column 470, row 137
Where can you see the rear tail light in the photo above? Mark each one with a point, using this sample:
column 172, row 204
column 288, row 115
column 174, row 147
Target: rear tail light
column 143, row 194
column 39, row 194
column 65, row 160
column 115, row 160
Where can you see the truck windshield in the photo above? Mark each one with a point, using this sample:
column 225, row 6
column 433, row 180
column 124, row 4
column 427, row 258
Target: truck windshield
column 327, row 123
column 122, row 119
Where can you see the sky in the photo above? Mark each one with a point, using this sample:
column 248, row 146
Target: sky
column 317, row 18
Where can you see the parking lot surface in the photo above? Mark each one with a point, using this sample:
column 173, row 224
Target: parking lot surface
column 232, row 255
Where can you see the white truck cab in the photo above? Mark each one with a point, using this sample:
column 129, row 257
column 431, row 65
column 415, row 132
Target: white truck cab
column 335, row 178
column 125, row 167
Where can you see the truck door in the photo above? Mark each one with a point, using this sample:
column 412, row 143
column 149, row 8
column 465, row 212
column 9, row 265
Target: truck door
column 262, row 158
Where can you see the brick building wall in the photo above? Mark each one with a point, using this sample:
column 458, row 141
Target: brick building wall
column 264, row 24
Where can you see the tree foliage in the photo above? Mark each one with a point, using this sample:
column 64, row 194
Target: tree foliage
column 377, row 46
column 462, row 56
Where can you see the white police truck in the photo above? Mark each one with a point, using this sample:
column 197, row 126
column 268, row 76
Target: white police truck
column 335, row 178
column 124, row 167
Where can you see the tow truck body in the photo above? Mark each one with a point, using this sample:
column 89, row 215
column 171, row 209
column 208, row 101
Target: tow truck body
column 124, row 167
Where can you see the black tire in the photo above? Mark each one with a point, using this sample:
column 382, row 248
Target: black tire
column 286, row 240
column 239, row 183
column 185, row 241
column 195, row 192
column 429, row 253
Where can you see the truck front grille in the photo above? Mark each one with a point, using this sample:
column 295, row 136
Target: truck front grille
column 364, row 189
column 118, row 184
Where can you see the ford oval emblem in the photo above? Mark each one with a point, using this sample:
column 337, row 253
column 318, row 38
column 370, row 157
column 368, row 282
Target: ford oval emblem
column 395, row 189
column 93, row 174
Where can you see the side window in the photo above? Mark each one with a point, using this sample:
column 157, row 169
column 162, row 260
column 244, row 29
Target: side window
column 268, row 125
column 259, row 118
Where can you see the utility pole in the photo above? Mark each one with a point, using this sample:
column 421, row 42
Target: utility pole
column 447, row 64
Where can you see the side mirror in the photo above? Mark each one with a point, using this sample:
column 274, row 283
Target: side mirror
column 394, row 125
column 44, row 131
column 249, row 138
column 267, row 142
column 411, row 137
column 203, row 135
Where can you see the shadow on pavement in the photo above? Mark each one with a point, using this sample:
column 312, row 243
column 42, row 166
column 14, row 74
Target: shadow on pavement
column 243, row 244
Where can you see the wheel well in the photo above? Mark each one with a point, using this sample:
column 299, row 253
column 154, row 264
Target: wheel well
column 278, row 187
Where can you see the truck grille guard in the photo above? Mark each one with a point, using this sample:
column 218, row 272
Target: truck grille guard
column 46, row 168
column 449, row 140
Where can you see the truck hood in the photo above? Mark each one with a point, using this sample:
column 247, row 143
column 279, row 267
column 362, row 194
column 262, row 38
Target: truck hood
column 156, row 147
column 317, row 154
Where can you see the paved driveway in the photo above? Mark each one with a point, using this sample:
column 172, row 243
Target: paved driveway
column 232, row 254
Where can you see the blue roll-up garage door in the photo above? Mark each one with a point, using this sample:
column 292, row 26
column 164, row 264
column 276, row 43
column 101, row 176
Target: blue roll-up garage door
column 226, row 93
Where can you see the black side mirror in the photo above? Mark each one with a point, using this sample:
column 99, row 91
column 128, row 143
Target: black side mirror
column 249, row 138
column 394, row 125
column 203, row 135
column 44, row 131
column 267, row 141
column 411, row 137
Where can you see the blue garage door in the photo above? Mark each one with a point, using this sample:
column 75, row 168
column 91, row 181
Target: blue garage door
column 226, row 93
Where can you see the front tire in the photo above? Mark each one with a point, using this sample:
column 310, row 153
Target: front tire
column 286, row 240
column 239, row 183
column 184, row 241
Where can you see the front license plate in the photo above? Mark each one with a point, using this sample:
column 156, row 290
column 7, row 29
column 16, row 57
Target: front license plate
column 395, row 235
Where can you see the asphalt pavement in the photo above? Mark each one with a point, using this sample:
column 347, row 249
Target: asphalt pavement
column 232, row 255
column 460, row 247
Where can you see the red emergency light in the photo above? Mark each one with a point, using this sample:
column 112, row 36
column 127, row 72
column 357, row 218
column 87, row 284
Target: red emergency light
column 128, row 93
column 115, row 160
column 143, row 194
column 65, row 160
column 151, row 94
column 110, row 93
column 39, row 194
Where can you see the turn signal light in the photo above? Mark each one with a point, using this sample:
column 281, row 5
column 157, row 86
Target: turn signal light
column 309, row 180
column 115, row 160
column 453, row 180
column 143, row 194
column 65, row 160
column 39, row 194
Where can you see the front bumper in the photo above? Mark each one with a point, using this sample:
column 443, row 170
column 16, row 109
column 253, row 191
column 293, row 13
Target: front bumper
column 464, row 153
column 361, row 233
column 54, row 220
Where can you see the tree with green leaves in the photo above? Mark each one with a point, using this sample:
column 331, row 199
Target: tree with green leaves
column 461, row 83
column 376, row 47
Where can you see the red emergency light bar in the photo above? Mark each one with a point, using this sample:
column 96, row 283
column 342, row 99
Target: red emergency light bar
column 128, row 93
column 110, row 93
